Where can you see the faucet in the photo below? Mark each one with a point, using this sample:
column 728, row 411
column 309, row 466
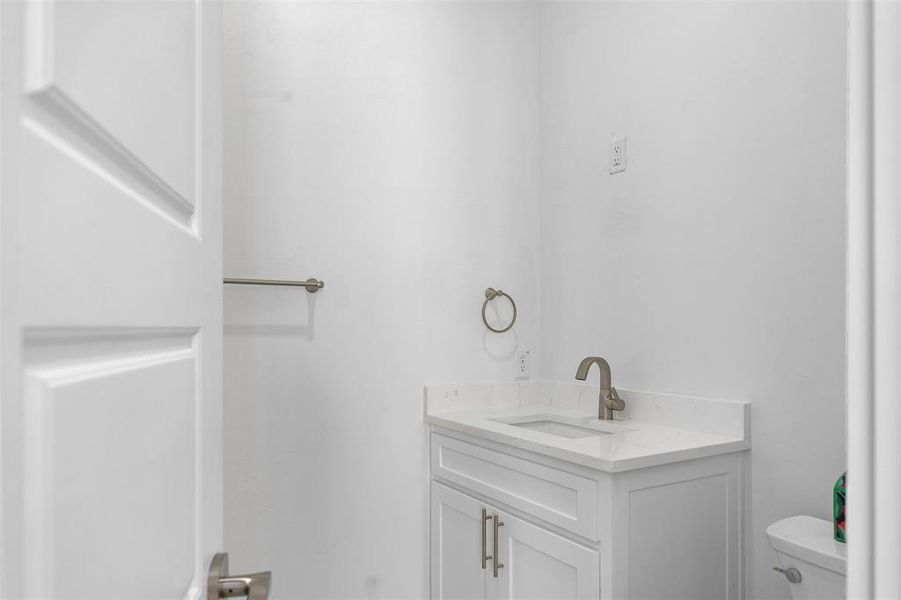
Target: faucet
column 608, row 400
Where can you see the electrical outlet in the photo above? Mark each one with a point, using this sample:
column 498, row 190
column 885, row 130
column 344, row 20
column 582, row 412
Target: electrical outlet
column 523, row 364
column 617, row 155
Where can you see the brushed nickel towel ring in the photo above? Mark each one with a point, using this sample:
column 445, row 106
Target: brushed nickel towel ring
column 491, row 294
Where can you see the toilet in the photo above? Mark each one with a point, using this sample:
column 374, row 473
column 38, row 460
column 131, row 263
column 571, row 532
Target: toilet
column 811, row 560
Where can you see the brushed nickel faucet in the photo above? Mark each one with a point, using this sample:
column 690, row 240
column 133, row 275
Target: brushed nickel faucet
column 608, row 400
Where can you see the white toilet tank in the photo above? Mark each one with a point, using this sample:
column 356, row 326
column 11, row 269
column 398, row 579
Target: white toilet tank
column 806, row 544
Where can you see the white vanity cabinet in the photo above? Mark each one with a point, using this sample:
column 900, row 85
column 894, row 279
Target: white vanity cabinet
column 533, row 563
column 541, row 564
column 571, row 532
column 458, row 536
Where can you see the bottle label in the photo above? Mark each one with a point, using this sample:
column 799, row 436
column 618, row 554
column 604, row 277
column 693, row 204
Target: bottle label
column 838, row 508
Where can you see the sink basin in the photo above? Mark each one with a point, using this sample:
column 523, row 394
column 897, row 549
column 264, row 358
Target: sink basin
column 560, row 426
column 561, row 429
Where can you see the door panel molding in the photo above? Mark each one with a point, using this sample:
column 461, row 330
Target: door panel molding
column 73, row 414
column 54, row 116
column 62, row 124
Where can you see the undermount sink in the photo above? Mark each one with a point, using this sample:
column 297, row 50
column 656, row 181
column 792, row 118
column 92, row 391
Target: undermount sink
column 561, row 429
column 551, row 426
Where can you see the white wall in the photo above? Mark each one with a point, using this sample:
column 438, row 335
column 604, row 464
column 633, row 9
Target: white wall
column 391, row 150
column 715, row 264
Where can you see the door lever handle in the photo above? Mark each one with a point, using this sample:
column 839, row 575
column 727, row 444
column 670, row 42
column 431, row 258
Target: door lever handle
column 220, row 584
column 253, row 587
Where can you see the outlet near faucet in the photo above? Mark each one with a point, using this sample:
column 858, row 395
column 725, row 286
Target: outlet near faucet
column 523, row 364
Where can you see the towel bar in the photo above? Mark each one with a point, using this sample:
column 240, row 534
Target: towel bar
column 312, row 284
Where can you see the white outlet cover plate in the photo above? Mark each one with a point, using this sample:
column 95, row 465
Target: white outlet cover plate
column 523, row 365
column 616, row 155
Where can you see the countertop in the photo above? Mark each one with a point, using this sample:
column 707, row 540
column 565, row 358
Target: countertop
column 659, row 428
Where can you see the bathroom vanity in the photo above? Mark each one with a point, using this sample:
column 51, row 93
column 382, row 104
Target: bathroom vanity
column 533, row 497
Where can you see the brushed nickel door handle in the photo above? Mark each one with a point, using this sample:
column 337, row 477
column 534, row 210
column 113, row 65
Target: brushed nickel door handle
column 220, row 584
column 485, row 557
column 497, row 525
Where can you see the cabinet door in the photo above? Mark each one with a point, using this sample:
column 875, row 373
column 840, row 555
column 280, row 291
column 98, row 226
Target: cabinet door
column 456, row 546
column 540, row 565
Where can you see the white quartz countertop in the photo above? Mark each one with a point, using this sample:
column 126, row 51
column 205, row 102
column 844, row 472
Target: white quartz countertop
column 655, row 429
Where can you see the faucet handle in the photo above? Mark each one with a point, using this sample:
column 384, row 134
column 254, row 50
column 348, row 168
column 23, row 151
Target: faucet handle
column 613, row 401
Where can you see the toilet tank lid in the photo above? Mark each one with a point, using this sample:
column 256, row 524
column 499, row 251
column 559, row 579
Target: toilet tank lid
column 808, row 539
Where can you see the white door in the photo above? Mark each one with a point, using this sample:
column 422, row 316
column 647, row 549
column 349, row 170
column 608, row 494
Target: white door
column 459, row 536
column 110, row 298
column 540, row 565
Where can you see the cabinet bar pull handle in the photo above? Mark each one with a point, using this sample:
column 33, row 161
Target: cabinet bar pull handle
column 485, row 557
column 497, row 524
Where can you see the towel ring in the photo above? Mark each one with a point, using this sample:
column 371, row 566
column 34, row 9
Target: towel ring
column 491, row 294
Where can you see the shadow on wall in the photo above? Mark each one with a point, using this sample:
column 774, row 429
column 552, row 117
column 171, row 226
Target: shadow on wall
column 275, row 311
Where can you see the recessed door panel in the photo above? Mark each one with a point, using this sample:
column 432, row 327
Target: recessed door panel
column 457, row 572
column 676, row 512
column 125, row 73
column 110, row 458
column 541, row 565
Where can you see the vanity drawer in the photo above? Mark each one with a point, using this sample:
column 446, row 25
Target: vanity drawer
column 563, row 499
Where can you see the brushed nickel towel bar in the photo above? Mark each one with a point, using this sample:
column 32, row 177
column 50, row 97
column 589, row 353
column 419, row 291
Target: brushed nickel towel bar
column 312, row 284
